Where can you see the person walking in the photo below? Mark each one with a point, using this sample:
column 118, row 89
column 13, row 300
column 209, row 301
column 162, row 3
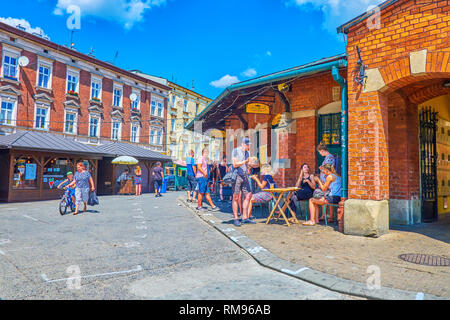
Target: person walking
column 138, row 180
column 158, row 178
column 82, row 179
column 241, row 158
column 191, row 171
column 202, row 176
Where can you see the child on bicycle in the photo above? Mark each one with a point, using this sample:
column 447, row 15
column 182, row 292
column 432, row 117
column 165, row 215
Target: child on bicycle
column 66, row 182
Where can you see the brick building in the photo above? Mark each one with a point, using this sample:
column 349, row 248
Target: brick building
column 370, row 113
column 48, row 88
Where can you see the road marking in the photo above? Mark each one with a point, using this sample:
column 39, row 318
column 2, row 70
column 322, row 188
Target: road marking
column 46, row 279
column 4, row 241
column 294, row 272
column 27, row 216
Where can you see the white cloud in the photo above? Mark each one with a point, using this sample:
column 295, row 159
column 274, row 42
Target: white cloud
column 24, row 24
column 126, row 12
column 225, row 81
column 336, row 12
column 250, row 72
column 269, row 53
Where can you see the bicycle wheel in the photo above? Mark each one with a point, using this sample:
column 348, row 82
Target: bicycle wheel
column 63, row 207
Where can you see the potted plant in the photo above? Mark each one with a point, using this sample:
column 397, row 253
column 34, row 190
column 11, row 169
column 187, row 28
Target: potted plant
column 73, row 93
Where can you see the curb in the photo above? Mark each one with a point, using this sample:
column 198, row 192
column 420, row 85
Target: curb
column 267, row 259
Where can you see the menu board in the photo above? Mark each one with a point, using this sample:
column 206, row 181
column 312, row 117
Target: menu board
column 30, row 171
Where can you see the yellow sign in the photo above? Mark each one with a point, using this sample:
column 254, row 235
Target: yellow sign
column 258, row 108
column 276, row 119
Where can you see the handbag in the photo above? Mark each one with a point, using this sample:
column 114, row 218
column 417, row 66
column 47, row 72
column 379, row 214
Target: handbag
column 319, row 194
column 93, row 199
column 229, row 177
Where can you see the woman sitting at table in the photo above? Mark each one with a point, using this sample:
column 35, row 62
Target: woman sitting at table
column 307, row 184
column 266, row 183
column 332, row 190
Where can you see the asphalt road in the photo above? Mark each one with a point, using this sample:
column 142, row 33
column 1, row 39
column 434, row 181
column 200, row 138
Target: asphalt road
column 130, row 248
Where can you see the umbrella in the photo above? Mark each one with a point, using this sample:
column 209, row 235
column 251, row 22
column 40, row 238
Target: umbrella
column 125, row 160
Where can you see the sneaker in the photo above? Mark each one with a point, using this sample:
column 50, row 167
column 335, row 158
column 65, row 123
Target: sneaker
column 252, row 218
column 237, row 223
column 215, row 209
column 248, row 221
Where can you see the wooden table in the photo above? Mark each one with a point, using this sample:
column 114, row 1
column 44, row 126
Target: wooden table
column 282, row 196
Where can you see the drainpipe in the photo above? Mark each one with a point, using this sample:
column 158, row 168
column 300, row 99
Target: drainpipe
column 344, row 129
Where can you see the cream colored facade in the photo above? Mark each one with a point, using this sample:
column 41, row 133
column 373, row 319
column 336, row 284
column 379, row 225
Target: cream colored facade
column 183, row 106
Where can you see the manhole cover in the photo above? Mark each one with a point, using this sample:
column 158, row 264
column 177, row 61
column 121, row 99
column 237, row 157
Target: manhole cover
column 425, row 259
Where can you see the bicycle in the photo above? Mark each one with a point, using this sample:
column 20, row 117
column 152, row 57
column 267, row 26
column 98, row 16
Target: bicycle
column 66, row 202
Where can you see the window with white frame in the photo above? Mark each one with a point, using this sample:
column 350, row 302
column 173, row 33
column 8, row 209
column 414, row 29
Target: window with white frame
column 157, row 107
column 158, row 137
column 134, row 132
column 172, row 125
column 152, row 136
column 44, row 76
column 96, row 88
column 71, row 122
column 72, row 81
column 10, row 65
column 160, row 108
column 7, row 112
column 135, row 104
column 117, row 97
column 116, row 124
column 94, row 125
column 42, row 117
column 185, row 107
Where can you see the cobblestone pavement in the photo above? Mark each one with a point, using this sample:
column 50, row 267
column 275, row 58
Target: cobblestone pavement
column 326, row 249
column 131, row 248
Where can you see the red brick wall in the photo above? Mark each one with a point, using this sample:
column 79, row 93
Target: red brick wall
column 26, row 102
column 406, row 26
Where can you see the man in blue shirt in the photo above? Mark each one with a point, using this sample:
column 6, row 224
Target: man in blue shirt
column 191, row 169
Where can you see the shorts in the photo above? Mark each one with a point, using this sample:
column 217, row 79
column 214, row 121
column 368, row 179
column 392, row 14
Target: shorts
column 158, row 184
column 261, row 197
column 191, row 183
column 241, row 184
column 137, row 181
column 333, row 199
column 71, row 192
column 202, row 185
column 81, row 195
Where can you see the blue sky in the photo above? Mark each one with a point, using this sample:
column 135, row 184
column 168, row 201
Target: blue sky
column 212, row 42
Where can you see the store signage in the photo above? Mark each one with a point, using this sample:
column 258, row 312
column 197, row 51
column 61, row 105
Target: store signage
column 259, row 108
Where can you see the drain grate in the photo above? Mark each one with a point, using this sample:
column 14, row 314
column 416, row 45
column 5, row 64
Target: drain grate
column 426, row 259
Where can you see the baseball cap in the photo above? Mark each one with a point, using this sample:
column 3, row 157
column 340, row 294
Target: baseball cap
column 70, row 172
column 246, row 141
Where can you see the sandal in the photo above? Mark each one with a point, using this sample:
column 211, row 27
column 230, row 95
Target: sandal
column 309, row 223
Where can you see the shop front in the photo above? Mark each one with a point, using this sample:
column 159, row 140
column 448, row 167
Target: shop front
column 109, row 172
column 35, row 163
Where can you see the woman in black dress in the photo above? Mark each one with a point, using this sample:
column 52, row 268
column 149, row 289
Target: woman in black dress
column 307, row 184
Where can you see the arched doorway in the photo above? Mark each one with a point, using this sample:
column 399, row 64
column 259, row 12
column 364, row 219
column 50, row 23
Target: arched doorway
column 414, row 105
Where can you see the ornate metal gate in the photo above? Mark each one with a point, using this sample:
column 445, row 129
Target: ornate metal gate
column 428, row 164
